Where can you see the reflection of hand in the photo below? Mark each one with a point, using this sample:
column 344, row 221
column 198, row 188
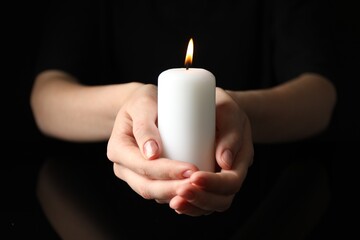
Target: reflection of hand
column 135, row 146
column 207, row 192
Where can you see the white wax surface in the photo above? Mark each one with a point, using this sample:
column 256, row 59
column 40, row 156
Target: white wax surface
column 186, row 116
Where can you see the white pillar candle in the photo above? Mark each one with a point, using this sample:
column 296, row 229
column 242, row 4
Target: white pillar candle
column 186, row 116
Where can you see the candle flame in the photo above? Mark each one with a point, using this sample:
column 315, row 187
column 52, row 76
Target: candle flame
column 189, row 53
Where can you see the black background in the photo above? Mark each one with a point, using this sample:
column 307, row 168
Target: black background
column 23, row 145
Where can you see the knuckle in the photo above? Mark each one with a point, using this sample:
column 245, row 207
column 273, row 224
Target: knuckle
column 118, row 172
column 109, row 152
column 144, row 192
column 144, row 101
column 138, row 127
column 143, row 171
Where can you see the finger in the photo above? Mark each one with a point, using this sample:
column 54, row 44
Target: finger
column 181, row 206
column 245, row 156
column 225, row 182
column 144, row 117
column 229, row 129
column 160, row 169
column 205, row 200
column 227, row 146
column 161, row 190
column 123, row 149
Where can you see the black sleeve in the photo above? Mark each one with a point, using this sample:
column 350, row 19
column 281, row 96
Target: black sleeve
column 70, row 38
column 303, row 38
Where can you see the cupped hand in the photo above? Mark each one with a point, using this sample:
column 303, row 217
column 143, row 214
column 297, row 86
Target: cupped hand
column 207, row 192
column 135, row 148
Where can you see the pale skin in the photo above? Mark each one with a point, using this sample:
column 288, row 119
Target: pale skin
column 125, row 116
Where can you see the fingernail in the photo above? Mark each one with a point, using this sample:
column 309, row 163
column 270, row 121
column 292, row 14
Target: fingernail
column 187, row 173
column 227, row 158
column 150, row 149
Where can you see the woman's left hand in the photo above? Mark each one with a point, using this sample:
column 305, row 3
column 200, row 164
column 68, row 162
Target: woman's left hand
column 208, row 192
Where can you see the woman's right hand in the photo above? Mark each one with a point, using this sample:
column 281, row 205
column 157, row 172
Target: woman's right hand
column 135, row 149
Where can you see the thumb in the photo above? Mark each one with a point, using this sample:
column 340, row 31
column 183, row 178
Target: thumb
column 145, row 130
column 151, row 149
column 147, row 136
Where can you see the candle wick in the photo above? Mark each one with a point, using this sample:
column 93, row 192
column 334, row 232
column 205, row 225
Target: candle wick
column 187, row 66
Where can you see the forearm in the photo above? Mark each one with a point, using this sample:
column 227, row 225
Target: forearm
column 297, row 109
column 67, row 110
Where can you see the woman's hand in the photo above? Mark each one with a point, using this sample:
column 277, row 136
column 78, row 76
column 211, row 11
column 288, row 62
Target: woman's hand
column 206, row 192
column 135, row 149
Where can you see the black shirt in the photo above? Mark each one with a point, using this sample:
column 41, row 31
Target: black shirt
column 246, row 44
